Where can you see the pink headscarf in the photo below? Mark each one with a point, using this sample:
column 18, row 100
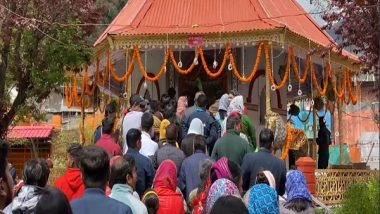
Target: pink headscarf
column 221, row 168
column 181, row 106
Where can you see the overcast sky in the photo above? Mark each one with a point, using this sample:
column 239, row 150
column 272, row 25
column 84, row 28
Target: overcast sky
column 311, row 8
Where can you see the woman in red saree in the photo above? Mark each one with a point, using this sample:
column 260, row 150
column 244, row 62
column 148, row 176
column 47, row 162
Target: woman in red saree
column 165, row 185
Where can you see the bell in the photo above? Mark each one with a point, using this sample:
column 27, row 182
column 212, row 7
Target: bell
column 145, row 85
column 180, row 64
column 215, row 64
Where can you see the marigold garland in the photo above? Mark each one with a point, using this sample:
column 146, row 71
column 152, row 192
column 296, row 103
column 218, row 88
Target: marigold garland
column 255, row 67
column 340, row 94
column 128, row 70
column 142, row 69
column 321, row 92
column 222, row 66
column 91, row 91
column 354, row 98
column 288, row 142
column 105, row 101
column 106, row 73
column 269, row 70
column 78, row 99
column 295, row 68
column 175, row 64
column 68, row 97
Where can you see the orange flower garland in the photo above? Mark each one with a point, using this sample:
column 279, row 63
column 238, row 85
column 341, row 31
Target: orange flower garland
column 269, row 70
column 105, row 101
column 78, row 99
column 288, row 142
column 222, row 66
column 175, row 64
column 255, row 67
column 127, row 72
column 105, row 77
column 143, row 71
column 354, row 98
column 321, row 92
column 68, row 97
column 295, row 68
column 340, row 94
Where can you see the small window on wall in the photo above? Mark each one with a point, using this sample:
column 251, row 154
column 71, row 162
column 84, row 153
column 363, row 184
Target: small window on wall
column 262, row 107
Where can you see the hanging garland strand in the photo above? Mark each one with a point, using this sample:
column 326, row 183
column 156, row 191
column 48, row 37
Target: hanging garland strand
column 354, row 98
column 175, row 64
column 295, row 68
column 222, row 66
column 142, row 69
column 321, row 92
column 68, row 97
column 128, row 70
column 340, row 94
column 288, row 142
column 78, row 99
column 90, row 91
column 269, row 71
column 255, row 67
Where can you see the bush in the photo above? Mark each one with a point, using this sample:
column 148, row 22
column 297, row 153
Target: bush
column 361, row 198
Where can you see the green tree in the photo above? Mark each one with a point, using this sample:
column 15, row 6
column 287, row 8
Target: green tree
column 38, row 39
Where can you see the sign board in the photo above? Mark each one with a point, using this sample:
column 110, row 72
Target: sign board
column 195, row 41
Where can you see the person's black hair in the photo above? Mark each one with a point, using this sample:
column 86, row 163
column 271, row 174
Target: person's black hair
column 169, row 112
column 75, row 151
column 229, row 204
column 266, row 138
column 151, row 201
column 202, row 101
column 107, row 125
column 321, row 121
column 36, row 172
column 233, row 120
column 154, row 106
column 171, row 133
column 234, row 92
column 120, row 169
column 298, row 205
column 110, row 109
column 147, row 121
column 3, row 159
column 95, row 167
column 172, row 92
column 165, row 99
column 199, row 143
column 53, row 201
column 261, row 178
column 133, row 136
column 235, row 172
column 204, row 174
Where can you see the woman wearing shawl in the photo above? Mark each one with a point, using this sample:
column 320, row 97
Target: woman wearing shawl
column 298, row 198
column 221, row 187
column 196, row 128
column 262, row 199
column 221, row 115
column 263, row 177
column 181, row 106
column 237, row 105
column 165, row 185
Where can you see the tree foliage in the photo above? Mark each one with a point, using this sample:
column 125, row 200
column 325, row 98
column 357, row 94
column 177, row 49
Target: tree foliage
column 39, row 38
column 355, row 22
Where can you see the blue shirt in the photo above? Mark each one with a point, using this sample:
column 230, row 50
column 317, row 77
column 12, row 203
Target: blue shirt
column 94, row 201
column 145, row 171
column 189, row 173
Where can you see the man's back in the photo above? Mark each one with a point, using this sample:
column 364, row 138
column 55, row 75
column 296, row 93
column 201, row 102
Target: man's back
column 231, row 146
column 263, row 160
column 108, row 144
column 131, row 120
column 94, row 201
column 170, row 152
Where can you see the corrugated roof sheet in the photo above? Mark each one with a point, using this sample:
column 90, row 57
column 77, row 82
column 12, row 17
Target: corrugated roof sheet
column 18, row 132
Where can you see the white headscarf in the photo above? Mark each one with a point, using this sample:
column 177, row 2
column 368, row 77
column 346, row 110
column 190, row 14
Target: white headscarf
column 236, row 105
column 196, row 127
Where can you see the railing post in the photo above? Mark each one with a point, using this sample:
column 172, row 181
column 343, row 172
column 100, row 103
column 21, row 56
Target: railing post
column 307, row 166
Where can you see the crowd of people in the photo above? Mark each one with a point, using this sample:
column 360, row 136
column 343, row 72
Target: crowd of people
column 164, row 157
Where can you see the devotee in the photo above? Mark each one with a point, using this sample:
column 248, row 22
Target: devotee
column 196, row 128
column 181, row 106
column 192, row 108
column 263, row 177
column 224, row 168
column 197, row 197
column 6, row 184
column 189, row 172
column 229, row 205
column 150, row 199
column 71, row 183
column 323, row 142
column 35, row 174
column 148, row 146
column 211, row 127
column 221, row 115
column 95, row 170
column 157, row 118
column 165, row 185
column 169, row 150
column 133, row 118
column 53, row 201
column 172, row 92
column 145, row 171
column 237, row 105
column 110, row 113
column 263, row 199
column 264, row 160
column 298, row 199
column 231, row 145
column 123, row 178
column 106, row 141
column 221, row 187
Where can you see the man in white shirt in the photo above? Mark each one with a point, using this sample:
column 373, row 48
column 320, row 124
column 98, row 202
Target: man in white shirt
column 133, row 118
column 148, row 146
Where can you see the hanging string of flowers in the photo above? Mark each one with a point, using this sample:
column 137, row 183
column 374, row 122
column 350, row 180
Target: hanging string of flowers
column 90, row 91
column 295, row 68
column 128, row 71
column 255, row 67
column 106, row 73
column 354, row 98
column 105, row 101
column 269, row 71
column 68, row 97
column 142, row 68
column 288, row 142
column 340, row 94
column 321, row 92
column 222, row 66
column 77, row 98
column 178, row 68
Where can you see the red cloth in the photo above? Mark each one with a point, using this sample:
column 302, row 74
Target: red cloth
column 165, row 184
column 107, row 143
column 71, row 184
